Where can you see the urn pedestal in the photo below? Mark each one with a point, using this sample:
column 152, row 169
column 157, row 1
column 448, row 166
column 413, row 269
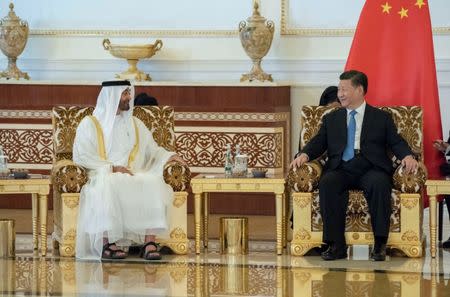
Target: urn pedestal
column 256, row 37
column 13, row 38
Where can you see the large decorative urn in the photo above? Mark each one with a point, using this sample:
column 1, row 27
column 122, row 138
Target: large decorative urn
column 132, row 53
column 256, row 37
column 13, row 38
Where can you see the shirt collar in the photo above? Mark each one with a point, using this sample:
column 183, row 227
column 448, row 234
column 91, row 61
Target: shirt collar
column 360, row 110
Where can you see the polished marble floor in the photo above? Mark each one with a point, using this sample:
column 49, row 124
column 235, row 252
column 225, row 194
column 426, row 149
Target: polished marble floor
column 261, row 273
column 211, row 274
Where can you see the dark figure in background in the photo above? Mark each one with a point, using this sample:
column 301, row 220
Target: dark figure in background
column 355, row 138
column 329, row 97
column 444, row 147
column 145, row 99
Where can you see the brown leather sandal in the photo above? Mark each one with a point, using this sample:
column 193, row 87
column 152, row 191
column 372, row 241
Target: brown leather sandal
column 150, row 255
column 108, row 253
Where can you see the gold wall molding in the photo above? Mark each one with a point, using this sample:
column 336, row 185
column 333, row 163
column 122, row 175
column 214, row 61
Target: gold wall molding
column 25, row 114
column 231, row 116
column 324, row 32
column 179, row 116
column 132, row 33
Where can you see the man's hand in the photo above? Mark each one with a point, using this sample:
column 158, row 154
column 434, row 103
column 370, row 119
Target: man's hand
column 440, row 145
column 121, row 169
column 176, row 158
column 299, row 161
column 409, row 164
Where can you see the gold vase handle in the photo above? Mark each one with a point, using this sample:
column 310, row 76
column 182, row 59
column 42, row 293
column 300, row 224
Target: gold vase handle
column 242, row 25
column 106, row 44
column 270, row 25
column 158, row 45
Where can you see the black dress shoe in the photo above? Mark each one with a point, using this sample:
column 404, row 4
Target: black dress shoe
column 379, row 252
column 334, row 253
column 446, row 244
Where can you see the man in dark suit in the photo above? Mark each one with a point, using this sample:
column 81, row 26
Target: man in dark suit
column 356, row 138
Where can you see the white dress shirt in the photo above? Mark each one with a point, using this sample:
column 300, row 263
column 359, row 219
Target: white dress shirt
column 359, row 116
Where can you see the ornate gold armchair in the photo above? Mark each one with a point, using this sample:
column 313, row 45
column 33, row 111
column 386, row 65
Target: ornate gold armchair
column 406, row 219
column 68, row 178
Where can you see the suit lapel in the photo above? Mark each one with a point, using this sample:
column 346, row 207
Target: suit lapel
column 342, row 127
column 365, row 123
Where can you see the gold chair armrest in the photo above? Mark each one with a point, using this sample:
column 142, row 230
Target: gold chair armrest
column 68, row 177
column 177, row 175
column 410, row 183
column 306, row 178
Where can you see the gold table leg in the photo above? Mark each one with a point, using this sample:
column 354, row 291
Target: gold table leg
column 198, row 290
column 279, row 218
column 43, row 205
column 43, row 274
column 433, row 225
column 205, row 219
column 433, row 276
column 197, row 219
column 284, row 235
column 34, row 216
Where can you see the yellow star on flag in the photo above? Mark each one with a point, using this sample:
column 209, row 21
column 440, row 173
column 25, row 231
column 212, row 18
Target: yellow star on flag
column 387, row 8
column 403, row 13
column 420, row 3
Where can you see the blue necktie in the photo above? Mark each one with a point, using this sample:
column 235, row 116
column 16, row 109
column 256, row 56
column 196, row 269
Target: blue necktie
column 349, row 151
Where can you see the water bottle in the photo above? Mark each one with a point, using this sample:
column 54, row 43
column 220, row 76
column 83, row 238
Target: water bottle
column 3, row 163
column 228, row 162
column 238, row 149
column 240, row 163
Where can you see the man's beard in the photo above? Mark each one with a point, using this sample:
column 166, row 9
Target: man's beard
column 124, row 106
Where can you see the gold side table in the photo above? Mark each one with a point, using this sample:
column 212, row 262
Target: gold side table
column 39, row 189
column 203, row 184
column 438, row 186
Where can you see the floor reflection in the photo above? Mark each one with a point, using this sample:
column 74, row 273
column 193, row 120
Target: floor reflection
column 216, row 275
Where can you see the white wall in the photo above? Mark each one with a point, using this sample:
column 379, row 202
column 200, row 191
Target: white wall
column 210, row 51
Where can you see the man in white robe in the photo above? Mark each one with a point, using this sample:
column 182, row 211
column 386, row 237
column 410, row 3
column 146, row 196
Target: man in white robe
column 125, row 197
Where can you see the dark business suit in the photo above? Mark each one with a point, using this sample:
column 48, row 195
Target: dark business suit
column 370, row 170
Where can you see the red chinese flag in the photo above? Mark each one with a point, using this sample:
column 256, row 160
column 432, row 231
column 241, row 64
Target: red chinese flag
column 393, row 45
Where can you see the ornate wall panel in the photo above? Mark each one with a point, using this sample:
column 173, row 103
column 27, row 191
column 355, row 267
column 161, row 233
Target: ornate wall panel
column 31, row 145
column 28, row 146
column 204, row 147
